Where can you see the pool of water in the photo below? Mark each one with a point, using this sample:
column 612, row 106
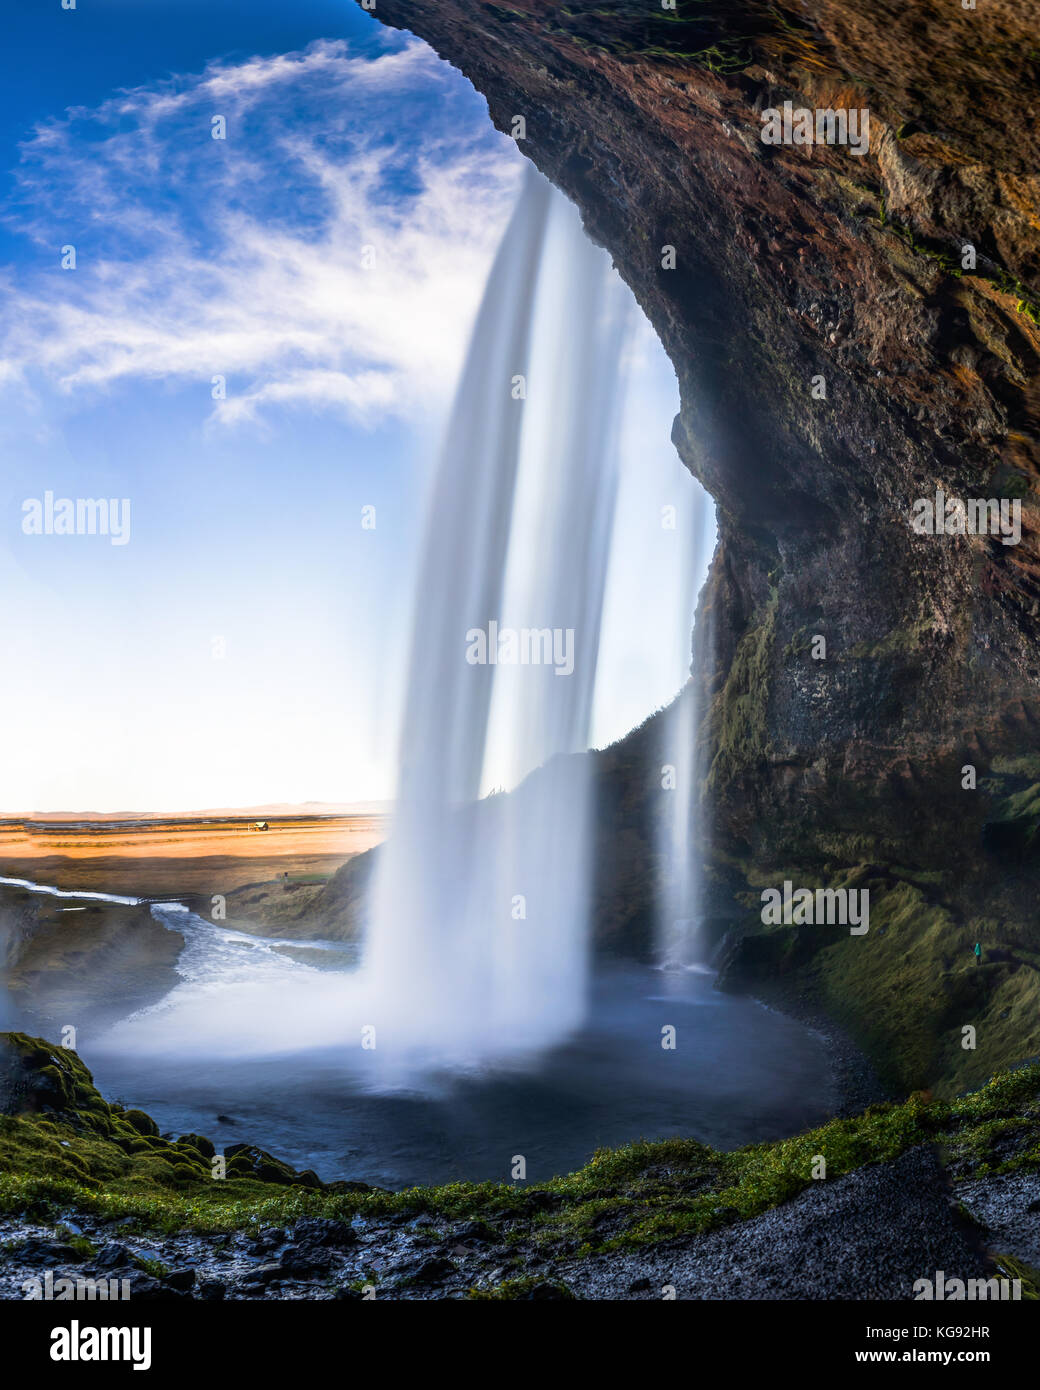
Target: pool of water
column 738, row 1073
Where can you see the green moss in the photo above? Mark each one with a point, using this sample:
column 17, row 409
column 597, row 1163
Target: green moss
column 196, row 1144
column 1025, row 765
column 1013, row 829
column 740, row 732
column 1024, row 804
column 995, row 1129
column 726, row 56
column 66, row 1146
column 949, row 262
column 84, row 1248
column 1013, row 1268
column 522, row 1288
column 906, row 637
column 1011, row 483
column 140, row 1122
column 55, row 1079
column 906, row 990
column 988, row 1147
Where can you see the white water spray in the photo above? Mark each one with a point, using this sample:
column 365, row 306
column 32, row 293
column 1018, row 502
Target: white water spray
column 479, row 922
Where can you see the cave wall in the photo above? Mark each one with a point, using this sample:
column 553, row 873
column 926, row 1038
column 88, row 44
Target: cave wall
column 795, row 263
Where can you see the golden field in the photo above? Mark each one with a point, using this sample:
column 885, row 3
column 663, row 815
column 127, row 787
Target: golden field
column 181, row 854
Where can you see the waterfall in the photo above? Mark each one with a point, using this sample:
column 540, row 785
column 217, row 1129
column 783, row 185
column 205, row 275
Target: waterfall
column 477, row 943
column 681, row 829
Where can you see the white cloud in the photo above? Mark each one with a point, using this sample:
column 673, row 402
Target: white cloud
column 246, row 257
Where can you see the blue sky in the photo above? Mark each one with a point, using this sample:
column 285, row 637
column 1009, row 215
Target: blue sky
column 326, row 260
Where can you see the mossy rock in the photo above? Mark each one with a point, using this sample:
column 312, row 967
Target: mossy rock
column 142, row 1123
column 745, row 959
column 197, row 1141
column 130, row 1145
column 61, row 1142
column 249, row 1161
column 38, row 1078
column 309, row 1178
column 1014, row 831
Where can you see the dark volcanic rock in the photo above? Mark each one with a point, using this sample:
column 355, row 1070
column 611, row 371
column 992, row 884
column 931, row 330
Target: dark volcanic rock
column 113, row 1256
column 433, row 1271
column 319, row 1230
column 306, row 1261
column 265, row 1274
column 545, row 1292
column 475, row 1232
column 789, row 266
column 145, row 1288
column 46, row 1252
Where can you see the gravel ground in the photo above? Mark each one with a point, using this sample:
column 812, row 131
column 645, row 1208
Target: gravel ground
column 868, row 1235
column 1009, row 1208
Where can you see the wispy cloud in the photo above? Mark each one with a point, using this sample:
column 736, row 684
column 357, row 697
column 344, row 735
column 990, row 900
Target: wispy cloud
column 327, row 255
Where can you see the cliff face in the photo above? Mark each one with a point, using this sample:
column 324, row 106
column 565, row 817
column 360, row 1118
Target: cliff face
column 840, row 355
column 17, row 924
column 92, row 964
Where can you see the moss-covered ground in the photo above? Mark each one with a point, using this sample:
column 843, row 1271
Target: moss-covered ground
column 78, row 1153
column 911, row 993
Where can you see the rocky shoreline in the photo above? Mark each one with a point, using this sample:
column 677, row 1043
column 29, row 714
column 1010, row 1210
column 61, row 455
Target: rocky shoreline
column 315, row 1258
